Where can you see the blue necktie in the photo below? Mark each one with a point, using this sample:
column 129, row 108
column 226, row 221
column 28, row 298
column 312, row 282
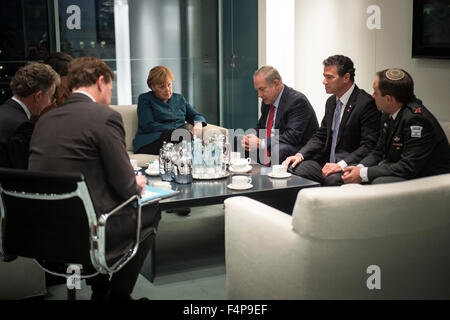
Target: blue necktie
column 337, row 121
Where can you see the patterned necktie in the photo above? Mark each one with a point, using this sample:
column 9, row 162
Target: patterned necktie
column 268, row 134
column 336, row 121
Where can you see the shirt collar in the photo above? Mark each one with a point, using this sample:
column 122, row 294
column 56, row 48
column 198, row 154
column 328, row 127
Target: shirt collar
column 85, row 93
column 395, row 114
column 277, row 101
column 24, row 107
column 346, row 96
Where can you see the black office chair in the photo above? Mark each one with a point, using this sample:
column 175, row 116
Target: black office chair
column 50, row 217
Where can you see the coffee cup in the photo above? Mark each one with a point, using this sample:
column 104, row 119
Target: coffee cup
column 241, row 181
column 279, row 170
column 134, row 163
column 234, row 156
column 153, row 166
column 240, row 164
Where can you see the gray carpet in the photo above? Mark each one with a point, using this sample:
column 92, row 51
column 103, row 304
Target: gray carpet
column 190, row 260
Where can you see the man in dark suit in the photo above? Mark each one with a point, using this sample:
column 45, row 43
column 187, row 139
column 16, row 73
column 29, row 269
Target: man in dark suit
column 412, row 144
column 33, row 88
column 348, row 132
column 283, row 109
column 85, row 135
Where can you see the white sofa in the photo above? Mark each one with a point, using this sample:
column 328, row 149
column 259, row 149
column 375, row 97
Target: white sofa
column 130, row 122
column 335, row 236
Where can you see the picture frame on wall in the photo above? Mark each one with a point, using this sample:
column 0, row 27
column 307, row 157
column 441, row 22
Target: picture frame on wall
column 431, row 29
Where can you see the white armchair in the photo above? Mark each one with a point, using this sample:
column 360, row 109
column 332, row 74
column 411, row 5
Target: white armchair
column 130, row 123
column 324, row 250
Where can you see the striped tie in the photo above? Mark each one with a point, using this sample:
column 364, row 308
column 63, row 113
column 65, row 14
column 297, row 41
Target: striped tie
column 337, row 121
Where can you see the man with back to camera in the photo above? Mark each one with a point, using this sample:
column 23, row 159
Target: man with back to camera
column 412, row 144
column 282, row 108
column 85, row 135
column 33, row 87
column 348, row 132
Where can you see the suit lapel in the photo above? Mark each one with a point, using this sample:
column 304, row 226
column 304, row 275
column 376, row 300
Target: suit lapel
column 347, row 111
column 329, row 115
column 281, row 106
column 264, row 114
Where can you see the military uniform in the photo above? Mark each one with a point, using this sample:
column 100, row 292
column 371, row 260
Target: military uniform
column 411, row 146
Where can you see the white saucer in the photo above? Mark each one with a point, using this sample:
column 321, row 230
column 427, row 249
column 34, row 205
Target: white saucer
column 248, row 168
column 248, row 186
column 137, row 168
column 286, row 175
column 152, row 173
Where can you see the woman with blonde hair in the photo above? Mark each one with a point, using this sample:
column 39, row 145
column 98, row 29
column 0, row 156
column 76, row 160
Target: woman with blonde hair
column 160, row 112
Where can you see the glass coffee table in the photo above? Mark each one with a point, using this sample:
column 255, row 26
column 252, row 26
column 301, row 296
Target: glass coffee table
column 279, row 193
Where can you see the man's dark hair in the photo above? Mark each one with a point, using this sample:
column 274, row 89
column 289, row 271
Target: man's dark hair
column 344, row 65
column 59, row 61
column 85, row 71
column 397, row 83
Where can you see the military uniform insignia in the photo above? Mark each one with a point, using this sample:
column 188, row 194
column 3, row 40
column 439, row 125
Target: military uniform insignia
column 416, row 131
column 396, row 139
column 417, row 110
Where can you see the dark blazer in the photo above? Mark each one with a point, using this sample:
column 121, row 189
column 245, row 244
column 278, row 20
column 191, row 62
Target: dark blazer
column 87, row 137
column 358, row 130
column 15, row 134
column 412, row 146
column 295, row 120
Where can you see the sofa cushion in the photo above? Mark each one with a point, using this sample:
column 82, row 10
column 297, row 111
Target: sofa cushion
column 368, row 211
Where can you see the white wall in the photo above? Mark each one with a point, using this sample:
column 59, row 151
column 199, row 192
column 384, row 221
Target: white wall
column 326, row 27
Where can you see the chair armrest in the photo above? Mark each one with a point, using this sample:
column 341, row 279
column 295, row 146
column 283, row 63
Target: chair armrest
column 102, row 222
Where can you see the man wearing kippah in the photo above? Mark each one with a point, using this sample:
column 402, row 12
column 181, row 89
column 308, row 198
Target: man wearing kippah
column 412, row 144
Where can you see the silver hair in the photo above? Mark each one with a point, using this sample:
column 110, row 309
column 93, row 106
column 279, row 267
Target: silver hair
column 269, row 73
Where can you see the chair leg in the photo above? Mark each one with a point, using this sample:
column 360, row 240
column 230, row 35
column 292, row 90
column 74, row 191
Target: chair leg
column 153, row 263
column 71, row 294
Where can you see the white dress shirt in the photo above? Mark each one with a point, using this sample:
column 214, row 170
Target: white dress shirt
column 24, row 107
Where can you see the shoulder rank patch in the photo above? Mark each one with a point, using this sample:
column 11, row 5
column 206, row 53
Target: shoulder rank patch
column 417, row 110
column 416, row 131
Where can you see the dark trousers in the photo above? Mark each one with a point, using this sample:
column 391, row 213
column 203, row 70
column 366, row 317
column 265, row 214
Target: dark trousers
column 312, row 170
column 123, row 281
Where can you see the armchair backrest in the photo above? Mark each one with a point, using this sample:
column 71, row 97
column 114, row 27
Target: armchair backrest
column 367, row 211
column 50, row 217
column 130, row 122
column 31, row 224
